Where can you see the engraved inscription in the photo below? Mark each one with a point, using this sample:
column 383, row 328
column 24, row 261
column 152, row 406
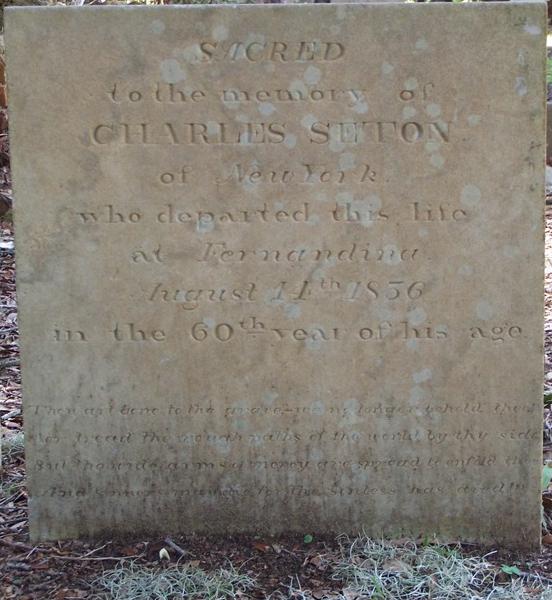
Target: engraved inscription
column 285, row 273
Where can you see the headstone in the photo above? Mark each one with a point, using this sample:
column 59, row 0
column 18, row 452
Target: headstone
column 549, row 132
column 280, row 268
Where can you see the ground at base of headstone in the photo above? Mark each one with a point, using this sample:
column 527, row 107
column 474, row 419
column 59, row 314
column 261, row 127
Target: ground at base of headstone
column 234, row 567
column 282, row 568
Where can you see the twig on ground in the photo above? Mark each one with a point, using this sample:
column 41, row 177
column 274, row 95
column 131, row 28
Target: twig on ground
column 98, row 557
column 175, row 546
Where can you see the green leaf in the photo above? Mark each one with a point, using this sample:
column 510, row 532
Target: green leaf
column 546, row 477
column 510, row 570
column 309, row 538
column 547, row 399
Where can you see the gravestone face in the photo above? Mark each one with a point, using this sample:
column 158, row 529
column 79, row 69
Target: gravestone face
column 280, row 268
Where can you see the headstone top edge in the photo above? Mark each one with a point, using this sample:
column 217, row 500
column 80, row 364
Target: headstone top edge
column 295, row 6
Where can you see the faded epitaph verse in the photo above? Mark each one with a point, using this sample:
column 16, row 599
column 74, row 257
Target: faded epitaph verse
column 280, row 268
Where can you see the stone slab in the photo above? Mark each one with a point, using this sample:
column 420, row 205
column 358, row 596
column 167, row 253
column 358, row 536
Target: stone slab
column 280, row 267
column 549, row 132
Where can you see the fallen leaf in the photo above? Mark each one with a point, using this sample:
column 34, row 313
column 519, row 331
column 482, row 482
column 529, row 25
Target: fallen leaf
column 192, row 563
column 261, row 546
column 318, row 561
column 396, row 566
column 129, row 551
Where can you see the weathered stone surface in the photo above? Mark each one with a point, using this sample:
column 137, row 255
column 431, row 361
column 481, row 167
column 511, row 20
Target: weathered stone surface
column 549, row 132
column 280, row 268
